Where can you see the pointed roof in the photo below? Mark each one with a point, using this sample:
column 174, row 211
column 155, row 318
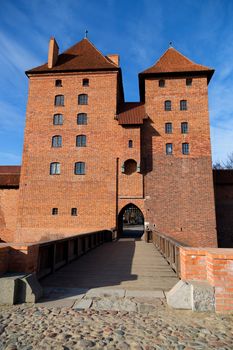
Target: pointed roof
column 173, row 61
column 83, row 56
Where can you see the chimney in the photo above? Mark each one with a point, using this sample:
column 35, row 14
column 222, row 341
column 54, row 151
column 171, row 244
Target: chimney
column 115, row 59
column 53, row 53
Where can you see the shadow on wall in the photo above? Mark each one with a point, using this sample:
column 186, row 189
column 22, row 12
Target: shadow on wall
column 147, row 134
column 107, row 266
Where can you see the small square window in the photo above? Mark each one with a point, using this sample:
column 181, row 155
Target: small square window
column 168, row 128
column 189, row 81
column 85, row 82
column 168, row 148
column 58, row 83
column 74, row 212
column 161, row 83
column 54, row 211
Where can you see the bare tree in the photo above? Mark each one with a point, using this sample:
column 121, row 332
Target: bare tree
column 228, row 164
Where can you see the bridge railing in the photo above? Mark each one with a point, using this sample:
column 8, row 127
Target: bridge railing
column 169, row 248
column 54, row 254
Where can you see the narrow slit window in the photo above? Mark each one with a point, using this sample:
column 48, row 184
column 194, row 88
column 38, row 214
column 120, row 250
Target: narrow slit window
column 130, row 143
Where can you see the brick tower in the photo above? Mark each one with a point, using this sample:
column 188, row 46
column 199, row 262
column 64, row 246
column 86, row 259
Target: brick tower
column 176, row 149
column 88, row 154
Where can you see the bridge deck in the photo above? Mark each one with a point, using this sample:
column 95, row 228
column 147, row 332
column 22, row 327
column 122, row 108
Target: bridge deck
column 128, row 263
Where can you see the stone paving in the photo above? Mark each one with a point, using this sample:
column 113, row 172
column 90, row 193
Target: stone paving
column 152, row 326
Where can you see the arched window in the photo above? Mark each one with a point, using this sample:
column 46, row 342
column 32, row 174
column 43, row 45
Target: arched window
column 59, row 100
column 168, row 105
column 55, row 168
column 82, row 119
column 56, row 141
column 161, row 82
column 130, row 143
column 129, row 167
column 79, row 168
column 85, row 82
column 83, row 99
column 57, row 119
column 81, row 140
column 183, row 105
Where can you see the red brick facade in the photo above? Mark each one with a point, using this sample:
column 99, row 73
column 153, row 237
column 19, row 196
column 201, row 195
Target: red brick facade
column 174, row 192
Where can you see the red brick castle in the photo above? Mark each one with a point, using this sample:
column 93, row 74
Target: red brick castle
column 88, row 154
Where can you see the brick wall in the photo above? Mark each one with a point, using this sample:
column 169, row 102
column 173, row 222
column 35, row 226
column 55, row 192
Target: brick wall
column 8, row 214
column 93, row 194
column 179, row 188
column 214, row 266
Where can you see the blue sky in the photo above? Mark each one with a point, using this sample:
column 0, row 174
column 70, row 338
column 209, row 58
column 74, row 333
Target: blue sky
column 139, row 30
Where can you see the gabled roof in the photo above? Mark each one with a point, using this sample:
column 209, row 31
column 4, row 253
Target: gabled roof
column 83, row 56
column 173, row 61
column 9, row 176
column 131, row 113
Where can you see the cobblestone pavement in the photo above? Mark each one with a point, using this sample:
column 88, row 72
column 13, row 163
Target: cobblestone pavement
column 152, row 326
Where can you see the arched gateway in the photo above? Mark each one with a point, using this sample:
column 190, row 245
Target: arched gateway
column 130, row 222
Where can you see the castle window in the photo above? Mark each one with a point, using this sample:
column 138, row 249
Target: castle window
column 57, row 119
column 58, row 83
column 168, row 105
column 129, row 167
column 183, row 105
column 168, row 128
column 189, row 81
column 55, row 168
column 130, row 144
column 185, row 148
column 85, row 82
column 83, row 99
column 81, row 140
column 56, row 141
column 79, row 168
column 59, row 100
column 161, row 82
column 74, row 212
column 184, row 128
column 54, row 211
column 168, row 148
column 82, row 119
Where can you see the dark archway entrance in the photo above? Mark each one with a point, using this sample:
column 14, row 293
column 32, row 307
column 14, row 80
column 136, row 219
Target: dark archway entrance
column 130, row 222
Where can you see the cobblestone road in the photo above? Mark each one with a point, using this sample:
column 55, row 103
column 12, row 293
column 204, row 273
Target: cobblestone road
column 32, row 327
